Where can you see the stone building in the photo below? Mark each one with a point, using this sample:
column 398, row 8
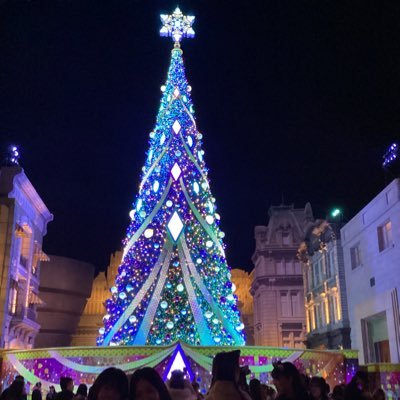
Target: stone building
column 324, row 287
column 65, row 285
column 23, row 224
column 242, row 281
column 91, row 319
column 277, row 288
column 371, row 250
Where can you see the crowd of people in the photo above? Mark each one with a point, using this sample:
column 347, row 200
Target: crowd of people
column 229, row 382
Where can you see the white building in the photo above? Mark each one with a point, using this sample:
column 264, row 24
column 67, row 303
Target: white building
column 371, row 249
column 23, row 223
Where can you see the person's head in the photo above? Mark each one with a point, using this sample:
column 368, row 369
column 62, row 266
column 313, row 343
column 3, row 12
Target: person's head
column 287, row 379
column 361, row 380
column 38, row 385
column 270, row 392
column 52, row 389
column 226, row 366
column 146, row 384
column 19, row 378
column 17, row 389
column 338, row 392
column 379, row 394
column 318, row 388
column 111, row 384
column 177, row 380
column 82, row 390
column 66, row 384
column 256, row 391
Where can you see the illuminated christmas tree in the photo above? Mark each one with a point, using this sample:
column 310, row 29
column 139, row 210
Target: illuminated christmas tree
column 174, row 282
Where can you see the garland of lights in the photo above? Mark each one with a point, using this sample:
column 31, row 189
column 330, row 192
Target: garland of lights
column 174, row 281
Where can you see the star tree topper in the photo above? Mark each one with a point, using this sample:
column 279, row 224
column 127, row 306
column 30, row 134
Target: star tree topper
column 177, row 26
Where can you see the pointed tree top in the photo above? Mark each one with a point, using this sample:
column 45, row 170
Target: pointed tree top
column 177, row 26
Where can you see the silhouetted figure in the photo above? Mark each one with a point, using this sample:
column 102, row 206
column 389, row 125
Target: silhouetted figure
column 111, row 384
column 338, row 392
column 16, row 391
column 146, row 384
column 37, row 392
column 82, row 392
column 358, row 388
column 51, row 393
column 318, row 389
column 225, row 378
column 67, row 389
column 288, row 382
column 379, row 394
column 180, row 388
column 256, row 390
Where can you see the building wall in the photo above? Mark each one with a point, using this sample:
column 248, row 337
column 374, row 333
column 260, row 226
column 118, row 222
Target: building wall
column 23, row 224
column 277, row 288
column 373, row 285
column 64, row 287
column 324, row 287
column 242, row 281
column 91, row 319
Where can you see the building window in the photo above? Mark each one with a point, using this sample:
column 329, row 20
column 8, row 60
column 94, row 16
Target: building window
column 280, row 268
column 285, row 305
column 12, row 304
column 375, row 339
column 309, row 278
column 289, row 268
column 331, row 269
column 385, row 239
column 297, row 268
column 296, row 304
column 355, row 256
column 331, row 304
column 286, row 240
column 318, row 316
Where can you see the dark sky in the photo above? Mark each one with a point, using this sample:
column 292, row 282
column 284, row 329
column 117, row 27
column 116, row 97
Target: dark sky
column 299, row 98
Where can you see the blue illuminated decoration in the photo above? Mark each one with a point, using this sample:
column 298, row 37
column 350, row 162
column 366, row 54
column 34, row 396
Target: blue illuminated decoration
column 390, row 155
column 174, row 259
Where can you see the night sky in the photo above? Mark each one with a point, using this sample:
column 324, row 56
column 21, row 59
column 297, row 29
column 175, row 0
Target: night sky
column 295, row 99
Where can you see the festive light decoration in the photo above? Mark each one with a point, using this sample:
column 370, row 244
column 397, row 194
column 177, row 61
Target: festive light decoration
column 174, row 259
column 390, row 155
column 83, row 364
column 335, row 212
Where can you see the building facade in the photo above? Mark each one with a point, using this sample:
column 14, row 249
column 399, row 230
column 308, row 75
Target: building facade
column 91, row 319
column 371, row 249
column 325, row 294
column 65, row 286
column 242, row 281
column 23, row 224
column 277, row 288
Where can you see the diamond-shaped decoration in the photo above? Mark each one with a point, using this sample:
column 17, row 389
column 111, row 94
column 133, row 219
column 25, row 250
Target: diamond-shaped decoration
column 176, row 127
column 175, row 226
column 176, row 171
column 176, row 93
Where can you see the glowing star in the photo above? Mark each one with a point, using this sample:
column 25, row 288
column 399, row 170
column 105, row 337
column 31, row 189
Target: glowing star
column 210, row 219
column 176, row 93
column 156, row 186
column 177, row 26
column 175, row 226
column 176, row 127
column 176, row 171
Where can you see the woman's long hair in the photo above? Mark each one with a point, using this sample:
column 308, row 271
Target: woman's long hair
column 151, row 376
column 113, row 378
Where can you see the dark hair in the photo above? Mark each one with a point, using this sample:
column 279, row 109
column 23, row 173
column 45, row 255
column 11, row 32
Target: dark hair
column 64, row 381
column 82, row 390
column 225, row 365
column 289, row 370
column 256, row 390
column 177, row 380
column 321, row 384
column 113, row 378
column 379, row 394
column 15, row 390
column 151, row 376
column 338, row 392
column 19, row 378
